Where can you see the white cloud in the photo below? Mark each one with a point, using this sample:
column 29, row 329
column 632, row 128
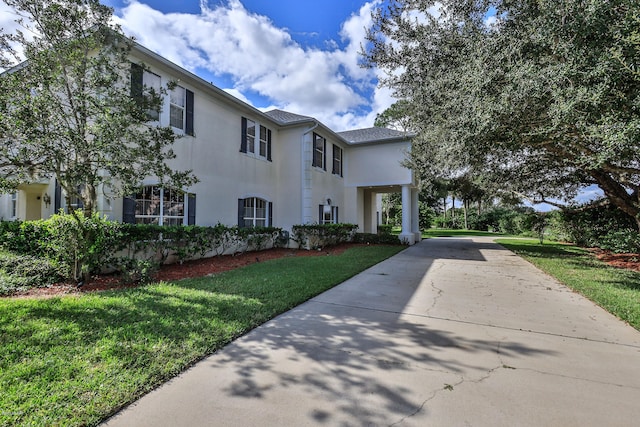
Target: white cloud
column 229, row 40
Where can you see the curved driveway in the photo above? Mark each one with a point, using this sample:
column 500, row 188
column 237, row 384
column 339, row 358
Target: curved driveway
column 450, row 332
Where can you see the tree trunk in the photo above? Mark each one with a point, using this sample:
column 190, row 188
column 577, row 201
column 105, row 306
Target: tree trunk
column 618, row 195
column 464, row 207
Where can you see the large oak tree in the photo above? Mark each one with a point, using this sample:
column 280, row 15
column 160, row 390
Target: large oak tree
column 67, row 109
column 542, row 94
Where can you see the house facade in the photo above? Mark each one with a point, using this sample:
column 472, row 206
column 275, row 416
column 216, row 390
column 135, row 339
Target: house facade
column 254, row 168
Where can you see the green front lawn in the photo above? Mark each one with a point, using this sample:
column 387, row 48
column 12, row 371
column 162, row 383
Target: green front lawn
column 74, row 360
column 616, row 290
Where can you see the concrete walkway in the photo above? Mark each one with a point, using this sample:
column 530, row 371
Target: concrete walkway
column 450, row 332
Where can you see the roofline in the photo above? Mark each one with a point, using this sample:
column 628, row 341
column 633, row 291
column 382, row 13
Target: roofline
column 202, row 82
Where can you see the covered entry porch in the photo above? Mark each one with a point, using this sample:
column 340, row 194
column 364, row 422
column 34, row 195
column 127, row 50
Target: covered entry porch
column 369, row 210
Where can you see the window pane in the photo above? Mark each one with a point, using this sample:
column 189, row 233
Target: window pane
column 251, row 136
column 151, row 84
column 263, row 141
column 177, row 96
column 177, row 117
column 176, row 112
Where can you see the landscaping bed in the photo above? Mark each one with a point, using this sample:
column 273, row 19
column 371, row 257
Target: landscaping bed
column 185, row 270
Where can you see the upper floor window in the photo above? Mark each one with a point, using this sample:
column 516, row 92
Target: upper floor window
column 162, row 206
column 256, row 139
column 254, row 212
column 145, row 87
column 151, row 83
column 319, row 151
column 176, row 113
column 337, row 160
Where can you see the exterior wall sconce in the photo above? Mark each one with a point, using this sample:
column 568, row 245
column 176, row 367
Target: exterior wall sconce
column 46, row 199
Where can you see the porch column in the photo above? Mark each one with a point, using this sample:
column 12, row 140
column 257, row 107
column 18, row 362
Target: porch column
column 406, row 235
column 415, row 215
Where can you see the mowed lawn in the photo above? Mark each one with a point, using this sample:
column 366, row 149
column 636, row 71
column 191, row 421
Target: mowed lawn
column 74, row 360
column 614, row 289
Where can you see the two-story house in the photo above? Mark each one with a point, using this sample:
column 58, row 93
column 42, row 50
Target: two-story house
column 254, row 168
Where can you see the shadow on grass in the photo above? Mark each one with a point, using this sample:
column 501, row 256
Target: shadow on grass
column 566, row 260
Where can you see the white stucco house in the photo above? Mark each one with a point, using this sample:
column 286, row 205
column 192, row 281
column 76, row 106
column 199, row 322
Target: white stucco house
column 254, row 168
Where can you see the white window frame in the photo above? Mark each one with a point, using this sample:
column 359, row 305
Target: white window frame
column 174, row 106
column 263, row 142
column 257, row 140
column 251, row 212
column 329, row 214
column 319, row 151
column 339, row 172
column 160, row 216
column 151, row 81
column 251, row 136
column 14, row 204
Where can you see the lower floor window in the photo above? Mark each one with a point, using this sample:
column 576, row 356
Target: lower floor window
column 161, row 206
column 328, row 214
column 14, row 205
column 254, row 212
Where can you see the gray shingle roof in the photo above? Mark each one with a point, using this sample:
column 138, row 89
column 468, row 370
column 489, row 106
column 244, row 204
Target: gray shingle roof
column 374, row 134
column 286, row 118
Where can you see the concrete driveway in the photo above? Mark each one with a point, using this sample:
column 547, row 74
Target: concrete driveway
column 450, row 332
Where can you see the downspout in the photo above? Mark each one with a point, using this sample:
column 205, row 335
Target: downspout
column 306, row 178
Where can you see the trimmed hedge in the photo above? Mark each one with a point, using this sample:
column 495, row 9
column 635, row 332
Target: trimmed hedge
column 317, row 236
column 79, row 246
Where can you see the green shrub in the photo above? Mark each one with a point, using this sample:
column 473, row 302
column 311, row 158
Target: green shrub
column 587, row 225
column 385, row 228
column 377, row 239
column 315, row 236
column 21, row 272
column 623, row 241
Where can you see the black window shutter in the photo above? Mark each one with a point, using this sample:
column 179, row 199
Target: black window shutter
column 324, row 150
column 270, row 224
column 191, row 209
column 189, row 118
column 136, row 82
column 336, row 216
column 243, row 141
column 57, row 197
column 129, row 209
column 321, row 215
column 269, row 144
column 241, row 213
column 313, row 152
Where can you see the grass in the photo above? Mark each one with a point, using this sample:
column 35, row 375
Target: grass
column 616, row 290
column 75, row 360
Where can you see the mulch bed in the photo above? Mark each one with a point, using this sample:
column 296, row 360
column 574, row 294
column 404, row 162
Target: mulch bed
column 627, row 261
column 188, row 269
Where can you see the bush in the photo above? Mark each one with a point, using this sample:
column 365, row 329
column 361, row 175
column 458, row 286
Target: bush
column 377, row 239
column 316, row 236
column 21, row 272
column 623, row 241
column 587, row 226
column 385, row 228
column 79, row 246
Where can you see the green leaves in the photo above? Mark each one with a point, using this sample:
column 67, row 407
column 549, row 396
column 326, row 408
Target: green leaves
column 67, row 111
column 544, row 101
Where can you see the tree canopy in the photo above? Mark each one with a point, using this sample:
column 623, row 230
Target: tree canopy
column 67, row 109
column 543, row 95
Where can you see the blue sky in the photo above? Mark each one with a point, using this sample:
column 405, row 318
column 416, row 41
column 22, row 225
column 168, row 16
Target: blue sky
column 301, row 56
